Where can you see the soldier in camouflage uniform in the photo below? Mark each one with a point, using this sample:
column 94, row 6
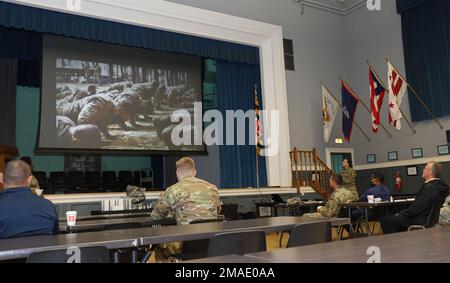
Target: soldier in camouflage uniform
column 340, row 195
column 188, row 200
column 349, row 176
column 444, row 217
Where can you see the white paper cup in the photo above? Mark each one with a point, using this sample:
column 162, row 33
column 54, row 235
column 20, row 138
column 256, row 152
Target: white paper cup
column 370, row 198
column 71, row 218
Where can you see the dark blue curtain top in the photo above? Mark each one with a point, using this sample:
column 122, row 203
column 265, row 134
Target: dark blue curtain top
column 58, row 23
column 405, row 5
column 426, row 40
column 20, row 44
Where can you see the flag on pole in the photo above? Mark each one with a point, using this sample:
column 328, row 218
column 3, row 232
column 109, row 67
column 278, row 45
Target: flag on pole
column 397, row 89
column 349, row 106
column 330, row 109
column 258, row 125
column 377, row 92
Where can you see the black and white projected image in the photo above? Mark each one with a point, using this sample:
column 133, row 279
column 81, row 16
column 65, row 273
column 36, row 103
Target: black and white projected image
column 111, row 106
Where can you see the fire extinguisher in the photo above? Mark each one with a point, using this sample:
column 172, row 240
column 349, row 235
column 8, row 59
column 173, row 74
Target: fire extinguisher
column 398, row 181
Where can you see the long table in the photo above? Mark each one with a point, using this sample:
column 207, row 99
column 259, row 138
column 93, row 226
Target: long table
column 422, row 246
column 89, row 225
column 366, row 206
column 129, row 238
column 284, row 206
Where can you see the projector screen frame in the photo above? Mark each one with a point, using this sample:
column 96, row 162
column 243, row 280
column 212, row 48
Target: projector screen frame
column 115, row 152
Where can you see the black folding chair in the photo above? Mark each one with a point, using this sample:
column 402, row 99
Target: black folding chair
column 93, row 181
column 310, row 234
column 109, row 181
column 237, row 243
column 125, row 179
column 76, row 181
column 41, row 177
column 58, row 183
column 71, row 255
column 433, row 217
column 198, row 248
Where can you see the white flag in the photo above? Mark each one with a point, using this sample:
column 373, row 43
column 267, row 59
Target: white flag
column 397, row 89
column 330, row 108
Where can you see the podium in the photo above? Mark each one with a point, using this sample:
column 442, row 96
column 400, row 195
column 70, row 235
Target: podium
column 7, row 152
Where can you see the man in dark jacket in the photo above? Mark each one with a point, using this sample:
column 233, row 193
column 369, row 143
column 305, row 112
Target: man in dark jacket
column 22, row 213
column 433, row 192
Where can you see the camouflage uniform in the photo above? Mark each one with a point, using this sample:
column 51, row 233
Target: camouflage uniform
column 188, row 200
column 349, row 177
column 444, row 217
column 34, row 185
column 331, row 209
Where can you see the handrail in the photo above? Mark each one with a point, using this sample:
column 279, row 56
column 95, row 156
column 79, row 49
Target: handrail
column 310, row 171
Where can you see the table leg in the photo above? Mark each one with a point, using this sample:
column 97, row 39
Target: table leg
column 134, row 256
column 366, row 212
column 350, row 217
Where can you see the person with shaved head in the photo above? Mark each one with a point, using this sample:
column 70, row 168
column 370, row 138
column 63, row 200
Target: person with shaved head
column 432, row 193
column 23, row 213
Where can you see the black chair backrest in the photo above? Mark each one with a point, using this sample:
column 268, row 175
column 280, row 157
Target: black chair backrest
column 87, row 255
column 198, row 248
column 237, row 243
column 76, row 177
column 433, row 217
column 230, row 211
column 125, row 175
column 57, row 178
column 310, row 234
column 109, row 177
column 93, row 177
column 41, row 177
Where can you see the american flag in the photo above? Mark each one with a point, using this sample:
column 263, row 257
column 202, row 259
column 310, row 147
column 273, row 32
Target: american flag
column 377, row 92
column 258, row 124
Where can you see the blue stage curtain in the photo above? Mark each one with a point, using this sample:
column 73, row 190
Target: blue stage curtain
column 45, row 21
column 235, row 83
column 426, row 40
column 405, row 5
column 8, row 77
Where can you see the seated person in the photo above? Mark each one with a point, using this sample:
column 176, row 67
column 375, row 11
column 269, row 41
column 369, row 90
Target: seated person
column 340, row 195
column 21, row 212
column 188, row 200
column 433, row 192
column 378, row 190
column 444, row 216
column 34, row 186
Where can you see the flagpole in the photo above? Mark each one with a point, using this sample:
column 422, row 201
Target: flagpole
column 257, row 167
column 340, row 105
column 256, row 144
column 387, row 89
column 417, row 96
column 365, row 106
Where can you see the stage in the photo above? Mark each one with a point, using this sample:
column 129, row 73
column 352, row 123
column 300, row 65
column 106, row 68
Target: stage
column 245, row 197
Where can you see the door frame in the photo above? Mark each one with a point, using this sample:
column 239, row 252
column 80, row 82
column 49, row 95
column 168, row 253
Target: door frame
column 330, row 150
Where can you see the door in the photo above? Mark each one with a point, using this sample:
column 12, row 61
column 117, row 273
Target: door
column 336, row 160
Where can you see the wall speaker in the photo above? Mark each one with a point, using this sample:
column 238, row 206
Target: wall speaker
column 289, row 54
